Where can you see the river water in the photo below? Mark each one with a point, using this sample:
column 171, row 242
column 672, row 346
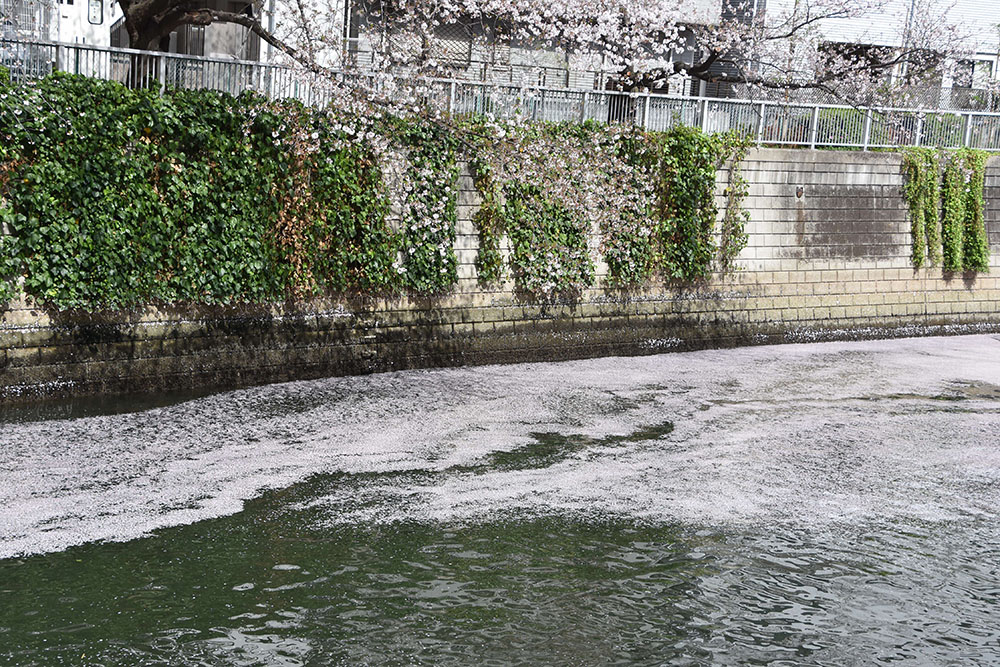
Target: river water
column 831, row 503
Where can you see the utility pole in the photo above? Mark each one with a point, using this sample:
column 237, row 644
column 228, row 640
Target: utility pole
column 906, row 37
column 346, row 50
column 270, row 29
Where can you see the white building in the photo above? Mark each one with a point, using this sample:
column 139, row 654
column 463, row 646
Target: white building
column 70, row 21
column 85, row 21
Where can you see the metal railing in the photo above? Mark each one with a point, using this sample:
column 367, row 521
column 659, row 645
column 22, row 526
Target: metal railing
column 765, row 122
column 925, row 97
column 149, row 69
column 774, row 123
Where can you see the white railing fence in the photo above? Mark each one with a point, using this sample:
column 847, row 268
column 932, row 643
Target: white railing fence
column 147, row 69
column 764, row 122
column 774, row 123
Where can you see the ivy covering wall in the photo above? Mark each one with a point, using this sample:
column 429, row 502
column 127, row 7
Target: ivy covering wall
column 114, row 197
column 111, row 197
column 944, row 191
column 650, row 195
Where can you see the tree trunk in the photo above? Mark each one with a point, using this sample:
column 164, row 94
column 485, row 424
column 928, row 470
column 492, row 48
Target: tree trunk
column 143, row 69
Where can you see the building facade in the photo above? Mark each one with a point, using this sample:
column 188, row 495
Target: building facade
column 467, row 51
column 101, row 23
column 973, row 26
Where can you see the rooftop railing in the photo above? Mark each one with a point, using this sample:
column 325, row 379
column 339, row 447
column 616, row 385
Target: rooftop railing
column 764, row 122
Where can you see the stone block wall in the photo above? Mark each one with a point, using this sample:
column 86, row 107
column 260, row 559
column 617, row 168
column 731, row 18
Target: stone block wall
column 828, row 257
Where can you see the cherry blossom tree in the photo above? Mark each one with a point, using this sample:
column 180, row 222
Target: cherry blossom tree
column 639, row 44
column 894, row 47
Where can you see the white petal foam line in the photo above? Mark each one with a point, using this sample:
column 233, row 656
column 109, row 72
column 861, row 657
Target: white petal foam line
column 794, row 433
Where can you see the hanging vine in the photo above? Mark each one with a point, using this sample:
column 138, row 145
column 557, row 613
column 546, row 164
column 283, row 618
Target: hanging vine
column 922, row 191
column 946, row 212
column 430, row 216
column 735, row 218
column 8, row 257
column 490, row 222
column 954, row 198
column 914, row 190
column 975, row 247
column 932, row 205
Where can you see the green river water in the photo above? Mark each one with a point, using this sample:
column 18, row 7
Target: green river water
column 829, row 504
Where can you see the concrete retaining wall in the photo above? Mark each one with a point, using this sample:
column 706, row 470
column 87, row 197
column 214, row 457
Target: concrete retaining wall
column 828, row 257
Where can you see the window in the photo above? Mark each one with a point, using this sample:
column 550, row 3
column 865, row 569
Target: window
column 963, row 75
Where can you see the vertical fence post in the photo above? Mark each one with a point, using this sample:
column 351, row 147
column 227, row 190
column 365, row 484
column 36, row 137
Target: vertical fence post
column 60, row 58
column 920, row 129
column 967, row 132
column 866, row 130
column 760, row 124
column 645, row 111
column 703, row 107
column 583, row 107
column 813, row 127
column 161, row 71
column 452, row 90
